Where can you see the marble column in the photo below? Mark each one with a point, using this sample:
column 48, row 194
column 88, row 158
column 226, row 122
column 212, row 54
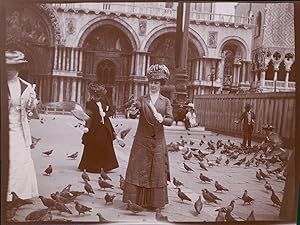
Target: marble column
column 80, row 60
column 132, row 63
column 55, row 58
column 286, row 81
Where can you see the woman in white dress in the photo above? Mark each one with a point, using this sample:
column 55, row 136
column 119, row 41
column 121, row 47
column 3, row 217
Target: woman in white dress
column 21, row 101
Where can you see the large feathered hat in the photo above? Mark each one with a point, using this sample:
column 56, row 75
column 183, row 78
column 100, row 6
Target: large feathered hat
column 158, row 72
column 14, row 57
column 96, row 88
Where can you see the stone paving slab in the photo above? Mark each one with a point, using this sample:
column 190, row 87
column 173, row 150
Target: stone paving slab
column 58, row 133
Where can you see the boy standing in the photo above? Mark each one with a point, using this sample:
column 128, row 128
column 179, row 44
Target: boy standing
column 248, row 118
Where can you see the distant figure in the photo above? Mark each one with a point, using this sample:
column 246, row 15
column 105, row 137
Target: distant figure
column 99, row 133
column 190, row 117
column 21, row 102
column 148, row 166
column 248, row 118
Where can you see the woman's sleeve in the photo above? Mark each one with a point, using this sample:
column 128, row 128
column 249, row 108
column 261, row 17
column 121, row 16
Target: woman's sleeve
column 89, row 112
column 168, row 117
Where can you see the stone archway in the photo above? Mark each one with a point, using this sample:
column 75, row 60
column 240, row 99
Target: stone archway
column 29, row 30
column 106, row 54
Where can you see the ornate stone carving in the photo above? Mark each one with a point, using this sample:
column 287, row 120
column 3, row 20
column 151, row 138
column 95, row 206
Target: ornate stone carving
column 288, row 61
column 25, row 26
column 276, row 59
column 264, row 57
column 142, row 27
column 212, row 39
column 71, row 25
column 48, row 9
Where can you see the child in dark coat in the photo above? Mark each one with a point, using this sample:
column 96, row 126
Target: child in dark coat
column 248, row 119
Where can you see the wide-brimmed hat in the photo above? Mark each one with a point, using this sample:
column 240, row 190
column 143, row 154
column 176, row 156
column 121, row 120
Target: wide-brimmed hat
column 96, row 88
column 248, row 106
column 14, row 57
column 158, row 72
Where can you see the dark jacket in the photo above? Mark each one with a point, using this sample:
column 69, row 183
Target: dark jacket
column 244, row 119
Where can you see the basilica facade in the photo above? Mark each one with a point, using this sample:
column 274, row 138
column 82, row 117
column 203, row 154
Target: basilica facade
column 69, row 44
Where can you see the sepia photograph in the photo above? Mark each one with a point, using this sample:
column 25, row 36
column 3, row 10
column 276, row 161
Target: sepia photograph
column 148, row 112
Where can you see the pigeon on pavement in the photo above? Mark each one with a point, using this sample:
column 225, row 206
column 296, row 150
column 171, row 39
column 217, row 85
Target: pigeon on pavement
column 49, row 170
column 104, row 175
column 109, row 198
column 198, row 205
column 73, row 155
column 205, row 178
column 212, row 195
column 220, row 217
column 187, row 167
column 202, row 165
column 81, row 208
column 251, row 216
column 268, row 186
column 103, row 184
column 182, row 195
column 219, row 187
column 207, row 197
column 247, row 198
column 177, row 183
column 101, row 218
column 48, row 202
column 122, row 182
column 88, row 187
column 275, row 199
column 85, row 176
column 159, row 216
column 134, row 207
column 61, row 207
column 38, row 215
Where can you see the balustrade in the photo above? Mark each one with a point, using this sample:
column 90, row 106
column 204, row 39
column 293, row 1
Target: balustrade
column 153, row 11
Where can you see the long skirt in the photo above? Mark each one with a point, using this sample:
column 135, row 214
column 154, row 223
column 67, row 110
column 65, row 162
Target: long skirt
column 22, row 177
column 147, row 173
column 98, row 152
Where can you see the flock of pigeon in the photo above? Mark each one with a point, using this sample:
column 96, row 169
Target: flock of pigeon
column 207, row 154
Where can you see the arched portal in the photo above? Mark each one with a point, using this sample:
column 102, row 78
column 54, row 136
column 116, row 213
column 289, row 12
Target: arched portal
column 106, row 57
column 162, row 50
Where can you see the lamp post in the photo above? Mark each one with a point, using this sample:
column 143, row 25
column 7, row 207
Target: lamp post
column 212, row 77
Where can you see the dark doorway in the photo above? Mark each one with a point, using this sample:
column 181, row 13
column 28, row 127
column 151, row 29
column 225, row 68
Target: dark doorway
column 106, row 73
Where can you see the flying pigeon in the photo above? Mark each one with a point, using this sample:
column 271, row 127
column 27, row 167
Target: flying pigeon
column 48, row 152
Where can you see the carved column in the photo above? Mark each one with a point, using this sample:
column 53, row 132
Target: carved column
column 288, row 62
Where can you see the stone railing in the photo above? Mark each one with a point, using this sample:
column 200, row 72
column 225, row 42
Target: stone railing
column 280, row 85
column 139, row 10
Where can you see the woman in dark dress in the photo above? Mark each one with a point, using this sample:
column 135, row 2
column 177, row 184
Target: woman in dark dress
column 99, row 133
column 148, row 167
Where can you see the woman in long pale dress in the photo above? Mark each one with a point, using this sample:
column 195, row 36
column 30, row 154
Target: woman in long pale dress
column 22, row 177
column 148, row 167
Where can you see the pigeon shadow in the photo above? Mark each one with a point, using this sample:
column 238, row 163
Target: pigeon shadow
column 186, row 203
column 133, row 214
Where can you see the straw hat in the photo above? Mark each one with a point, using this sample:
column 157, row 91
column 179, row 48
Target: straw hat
column 158, row 72
column 96, row 88
column 14, row 57
column 191, row 105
